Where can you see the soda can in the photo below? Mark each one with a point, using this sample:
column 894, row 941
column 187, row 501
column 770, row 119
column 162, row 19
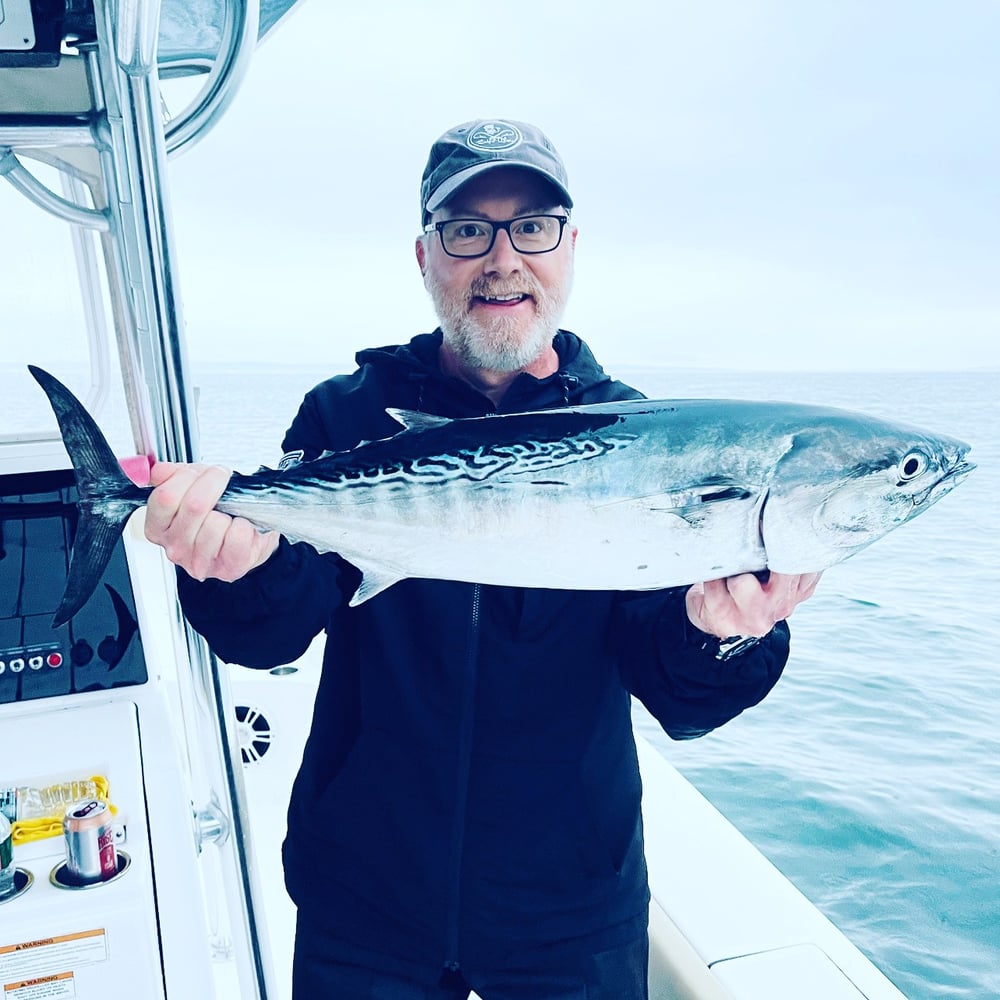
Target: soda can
column 90, row 842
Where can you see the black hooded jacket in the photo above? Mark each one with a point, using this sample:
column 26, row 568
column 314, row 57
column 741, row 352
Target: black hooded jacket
column 469, row 792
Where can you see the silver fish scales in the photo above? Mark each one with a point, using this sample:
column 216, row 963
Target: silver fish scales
column 632, row 495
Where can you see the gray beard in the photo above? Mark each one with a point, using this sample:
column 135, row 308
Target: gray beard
column 501, row 345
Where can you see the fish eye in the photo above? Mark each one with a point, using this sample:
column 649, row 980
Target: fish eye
column 912, row 464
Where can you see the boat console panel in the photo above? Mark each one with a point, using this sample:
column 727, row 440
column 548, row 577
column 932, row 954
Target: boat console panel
column 99, row 648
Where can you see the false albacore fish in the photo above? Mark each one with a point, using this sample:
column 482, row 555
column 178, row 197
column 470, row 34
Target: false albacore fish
column 632, row 495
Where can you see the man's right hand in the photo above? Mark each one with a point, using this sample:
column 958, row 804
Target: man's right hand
column 181, row 517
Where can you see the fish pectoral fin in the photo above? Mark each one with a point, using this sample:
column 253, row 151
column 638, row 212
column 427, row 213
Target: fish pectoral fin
column 658, row 505
column 413, row 420
column 374, row 579
column 688, row 502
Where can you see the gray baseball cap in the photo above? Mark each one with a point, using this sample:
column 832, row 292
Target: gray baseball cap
column 467, row 150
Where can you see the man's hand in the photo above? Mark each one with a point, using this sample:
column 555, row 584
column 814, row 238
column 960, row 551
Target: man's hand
column 744, row 605
column 181, row 517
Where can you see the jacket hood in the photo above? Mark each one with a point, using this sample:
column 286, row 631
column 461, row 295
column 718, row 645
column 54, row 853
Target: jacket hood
column 578, row 375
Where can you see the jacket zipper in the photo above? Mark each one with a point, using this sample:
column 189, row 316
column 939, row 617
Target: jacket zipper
column 462, row 778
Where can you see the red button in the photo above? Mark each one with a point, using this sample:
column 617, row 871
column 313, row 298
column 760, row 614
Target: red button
column 54, row 659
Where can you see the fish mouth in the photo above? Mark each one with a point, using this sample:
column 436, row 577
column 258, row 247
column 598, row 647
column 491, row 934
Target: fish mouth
column 949, row 481
column 959, row 473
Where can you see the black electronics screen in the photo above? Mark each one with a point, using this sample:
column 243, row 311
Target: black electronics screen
column 99, row 648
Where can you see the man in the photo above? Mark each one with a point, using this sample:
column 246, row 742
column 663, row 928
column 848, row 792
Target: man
column 467, row 810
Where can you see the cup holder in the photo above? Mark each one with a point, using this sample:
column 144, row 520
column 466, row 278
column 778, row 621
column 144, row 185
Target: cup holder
column 23, row 880
column 62, row 878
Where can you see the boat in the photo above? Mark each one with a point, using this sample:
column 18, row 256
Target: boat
column 199, row 756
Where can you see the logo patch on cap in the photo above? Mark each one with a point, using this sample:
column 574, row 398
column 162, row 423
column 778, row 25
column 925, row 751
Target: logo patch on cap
column 490, row 137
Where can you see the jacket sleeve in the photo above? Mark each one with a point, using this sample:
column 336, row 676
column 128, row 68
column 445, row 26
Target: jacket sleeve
column 670, row 666
column 271, row 615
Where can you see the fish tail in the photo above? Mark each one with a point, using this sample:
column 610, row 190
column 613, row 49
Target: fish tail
column 107, row 497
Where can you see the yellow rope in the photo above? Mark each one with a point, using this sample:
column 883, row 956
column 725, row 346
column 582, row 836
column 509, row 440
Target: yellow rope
column 26, row 830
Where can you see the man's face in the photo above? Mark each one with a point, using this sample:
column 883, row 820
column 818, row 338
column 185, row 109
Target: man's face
column 499, row 312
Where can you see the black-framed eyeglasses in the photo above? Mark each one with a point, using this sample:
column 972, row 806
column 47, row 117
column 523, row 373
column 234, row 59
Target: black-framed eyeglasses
column 475, row 237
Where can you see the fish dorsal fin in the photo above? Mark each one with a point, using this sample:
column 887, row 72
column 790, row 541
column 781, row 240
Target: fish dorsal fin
column 414, row 420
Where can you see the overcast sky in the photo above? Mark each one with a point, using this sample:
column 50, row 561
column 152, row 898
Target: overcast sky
column 779, row 184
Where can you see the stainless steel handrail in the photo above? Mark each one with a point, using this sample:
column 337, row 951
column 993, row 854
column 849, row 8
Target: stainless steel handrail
column 35, row 191
column 126, row 130
column 135, row 157
column 45, row 136
column 239, row 39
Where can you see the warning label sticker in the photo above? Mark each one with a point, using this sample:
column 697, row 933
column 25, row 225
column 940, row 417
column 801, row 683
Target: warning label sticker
column 31, row 962
column 57, row 987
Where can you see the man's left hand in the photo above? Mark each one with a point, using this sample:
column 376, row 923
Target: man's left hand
column 746, row 605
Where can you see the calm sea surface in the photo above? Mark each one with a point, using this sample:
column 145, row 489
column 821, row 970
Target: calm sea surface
column 871, row 775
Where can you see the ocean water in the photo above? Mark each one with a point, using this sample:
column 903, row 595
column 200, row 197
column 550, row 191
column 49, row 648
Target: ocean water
column 871, row 775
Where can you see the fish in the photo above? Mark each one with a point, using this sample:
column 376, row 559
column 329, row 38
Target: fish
column 639, row 494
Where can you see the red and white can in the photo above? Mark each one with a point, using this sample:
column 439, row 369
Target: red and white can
column 90, row 842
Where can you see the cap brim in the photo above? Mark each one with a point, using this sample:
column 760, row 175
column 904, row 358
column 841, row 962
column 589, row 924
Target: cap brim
column 448, row 187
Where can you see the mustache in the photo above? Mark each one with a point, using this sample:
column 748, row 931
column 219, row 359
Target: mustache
column 483, row 287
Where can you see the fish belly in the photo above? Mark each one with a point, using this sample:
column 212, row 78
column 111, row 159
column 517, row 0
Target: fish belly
column 527, row 537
